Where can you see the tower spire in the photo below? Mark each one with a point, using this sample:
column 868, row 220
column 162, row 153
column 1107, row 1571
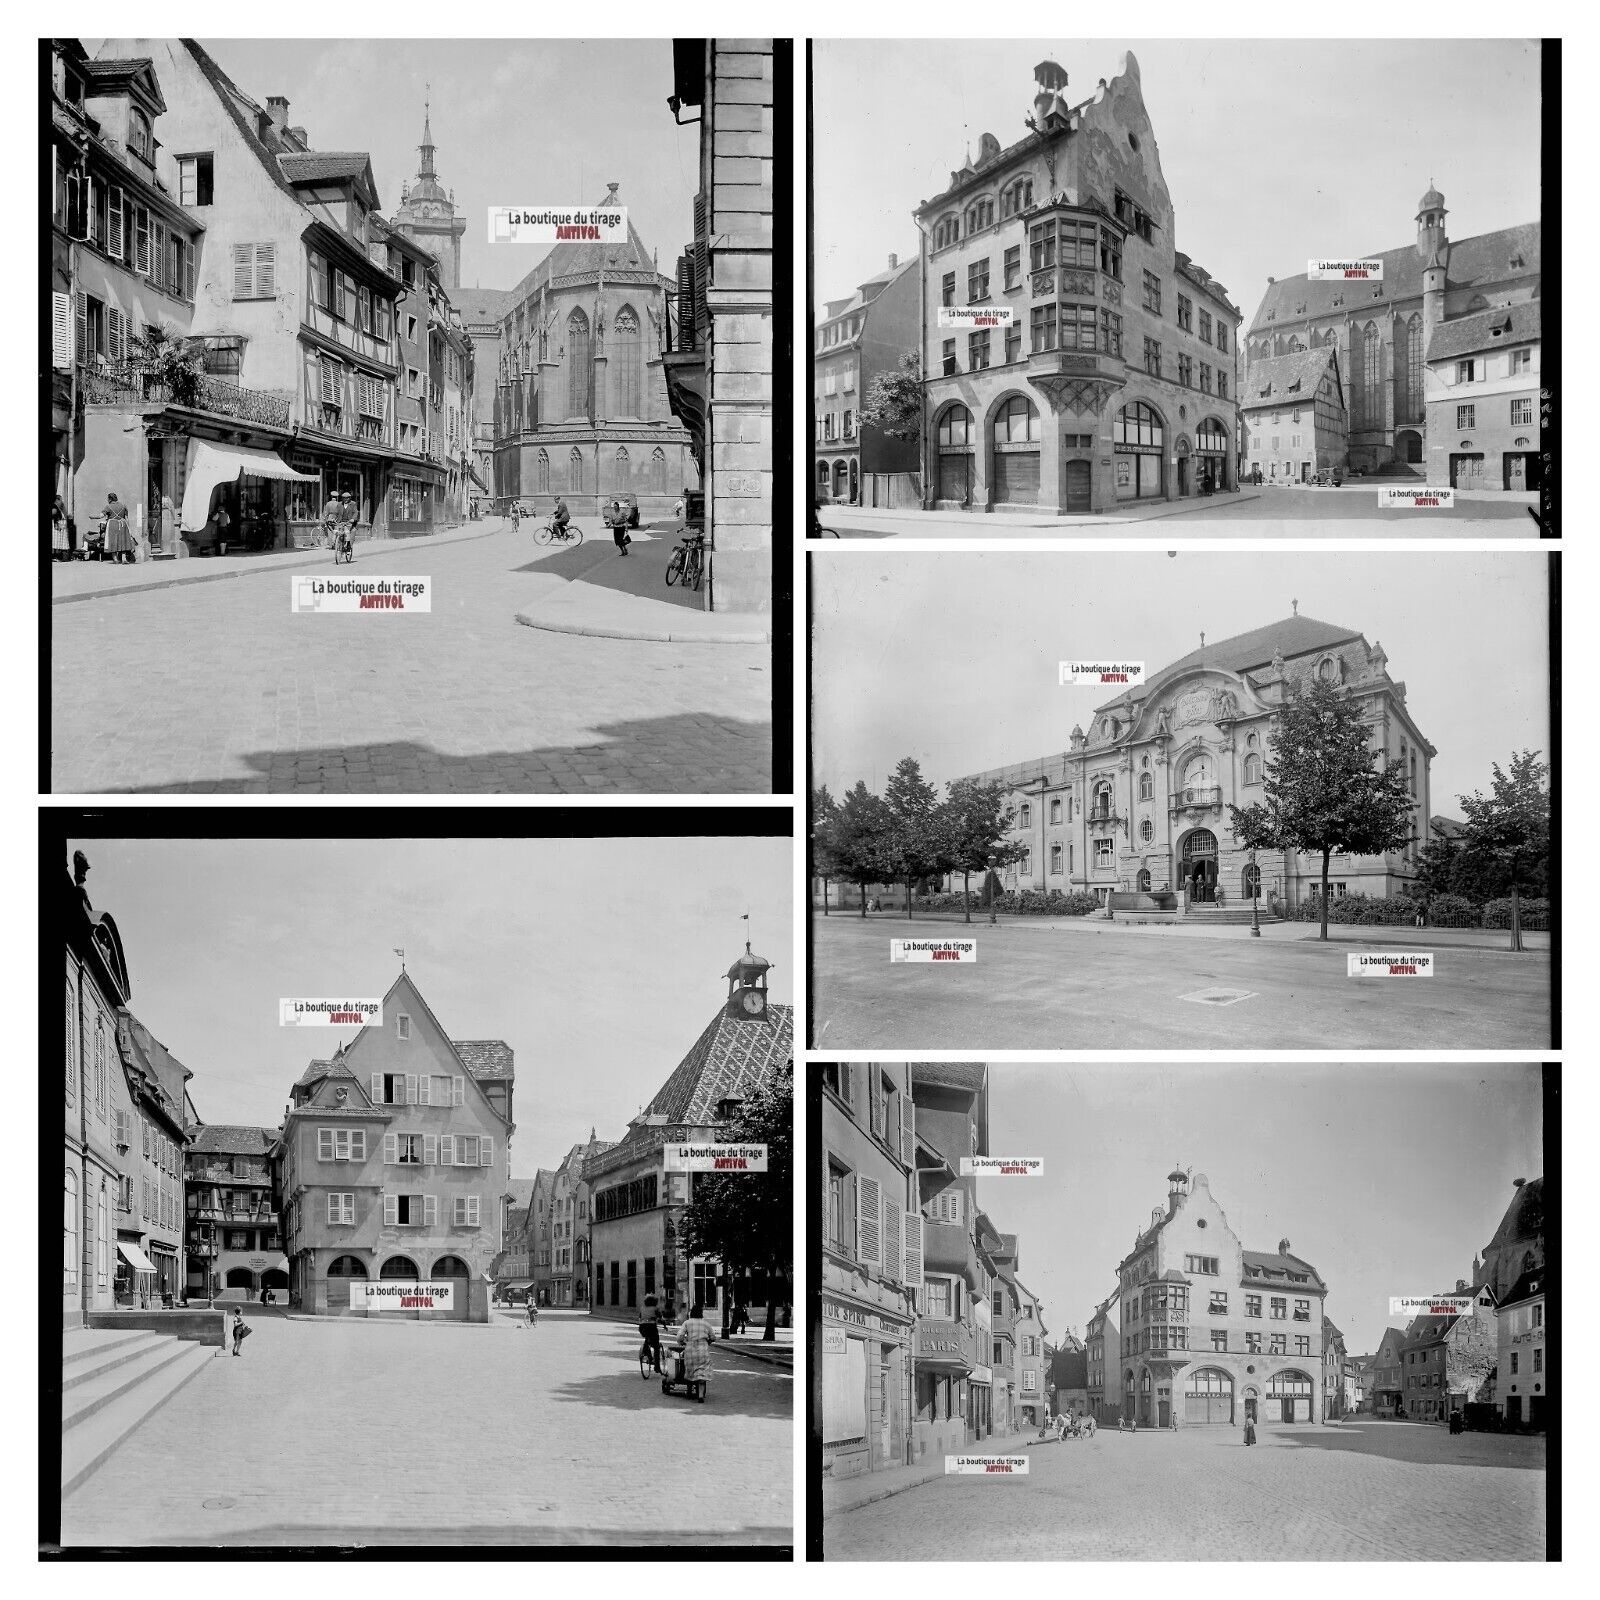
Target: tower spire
column 427, row 132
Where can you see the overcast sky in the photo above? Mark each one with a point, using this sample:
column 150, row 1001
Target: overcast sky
column 516, row 122
column 1385, row 1177
column 1273, row 151
column 953, row 657
column 598, row 961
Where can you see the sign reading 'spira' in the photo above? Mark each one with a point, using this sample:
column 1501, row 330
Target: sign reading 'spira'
column 330, row 1013
column 398, row 1295
column 558, row 224
column 715, row 1157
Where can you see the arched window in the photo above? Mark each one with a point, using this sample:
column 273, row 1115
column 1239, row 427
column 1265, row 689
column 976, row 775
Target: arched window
column 619, row 469
column 658, row 471
column 1055, row 860
column 72, row 1045
column 1025, row 816
column 1018, row 197
column 578, row 367
column 1018, row 422
column 347, row 1267
column 1055, row 812
column 1100, row 800
column 102, row 1239
column 1211, row 436
column 625, row 361
column 401, row 1267
column 1142, row 882
column 1147, row 833
column 1477, row 303
column 449, row 1267
column 1252, row 769
column 575, row 470
column 955, row 429
column 1147, row 786
column 1411, row 410
column 1251, row 882
column 1139, row 424
column 946, row 231
column 980, row 214
column 1372, row 377
column 541, row 472
column 1200, row 772
column 69, row 1239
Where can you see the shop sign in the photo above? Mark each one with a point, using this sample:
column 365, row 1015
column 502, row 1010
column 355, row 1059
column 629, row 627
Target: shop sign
column 936, row 1336
column 860, row 1319
column 833, row 1341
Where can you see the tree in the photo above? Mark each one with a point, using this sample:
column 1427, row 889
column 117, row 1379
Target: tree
column 973, row 822
column 1323, row 793
column 824, row 821
column 1512, row 824
column 860, row 841
column 746, row 1220
column 915, row 834
column 175, row 362
column 894, row 400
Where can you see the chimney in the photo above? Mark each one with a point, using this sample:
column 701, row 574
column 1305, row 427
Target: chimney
column 1283, row 1247
column 894, row 261
column 278, row 110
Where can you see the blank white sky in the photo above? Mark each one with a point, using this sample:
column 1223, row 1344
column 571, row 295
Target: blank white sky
column 1273, row 150
column 598, row 961
column 1386, row 1178
column 952, row 657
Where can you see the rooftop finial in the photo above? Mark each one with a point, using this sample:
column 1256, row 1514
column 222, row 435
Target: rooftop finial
column 1296, row 605
column 402, row 955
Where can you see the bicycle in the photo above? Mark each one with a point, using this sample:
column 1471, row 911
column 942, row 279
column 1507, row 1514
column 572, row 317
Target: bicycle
column 646, row 1359
column 549, row 533
column 817, row 529
column 343, row 550
column 687, row 565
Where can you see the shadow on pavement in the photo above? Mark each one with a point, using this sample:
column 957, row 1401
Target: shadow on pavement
column 736, row 1390
column 679, row 754
column 643, row 571
column 1428, row 1447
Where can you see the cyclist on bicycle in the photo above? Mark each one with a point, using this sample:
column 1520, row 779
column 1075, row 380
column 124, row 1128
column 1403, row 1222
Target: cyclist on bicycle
column 650, row 1329
column 561, row 517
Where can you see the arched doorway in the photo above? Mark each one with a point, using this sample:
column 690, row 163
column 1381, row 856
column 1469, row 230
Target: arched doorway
column 454, row 1271
column 1139, row 440
column 855, row 480
column 1250, row 882
column 841, row 480
column 953, row 436
column 1211, row 455
column 824, row 479
column 1016, row 453
column 276, row 1280
column 1252, row 1403
column 1142, row 882
column 1289, row 1397
column 1185, row 481
column 1408, row 446
column 400, row 1267
column 239, row 1278
column 1208, row 1396
column 1146, row 1416
column 1078, row 479
column 340, row 1271
column 1198, row 865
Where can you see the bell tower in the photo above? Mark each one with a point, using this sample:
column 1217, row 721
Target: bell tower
column 747, row 987
column 427, row 211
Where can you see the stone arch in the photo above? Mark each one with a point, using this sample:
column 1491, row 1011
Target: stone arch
column 401, row 1267
column 449, row 1266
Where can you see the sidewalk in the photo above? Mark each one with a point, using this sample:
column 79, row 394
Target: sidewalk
column 850, row 1494
column 750, row 1343
column 997, row 522
column 561, row 605
column 90, row 580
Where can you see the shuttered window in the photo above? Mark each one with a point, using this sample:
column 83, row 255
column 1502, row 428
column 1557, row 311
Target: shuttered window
column 340, row 308
column 83, row 325
column 391, row 1149
column 332, row 379
column 391, row 1210
column 141, row 241
column 114, row 237
column 913, row 1248
column 255, row 271
column 486, row 1152
column 908, row 1136
column 342, row 1210
column 61, row 331
column 114, row 333
column 424, row 1090
column 466, row 1211
column 869, row 1221
column 447, row 1150
column 893, row 1266
column 430, row 1147
column 430, row 1211
column 457, row 1090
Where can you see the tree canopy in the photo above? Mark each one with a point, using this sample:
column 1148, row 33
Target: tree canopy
column 893, row 403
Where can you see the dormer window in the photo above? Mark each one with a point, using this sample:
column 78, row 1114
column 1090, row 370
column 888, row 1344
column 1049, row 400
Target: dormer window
column 140, row 140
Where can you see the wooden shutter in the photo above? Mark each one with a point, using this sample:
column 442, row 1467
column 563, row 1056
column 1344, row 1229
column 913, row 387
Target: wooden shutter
column 144, row 1137
column 874, row 1101
column 908, row 1130
column 447, row 1150
column 430, row 1211
column 91, row 222
column 266, row 284
column 485, row 1152
column 242, row 254
column 424, row 1090
column 324, row 1144
column 458, row 1212
column 893, row 1265
column 83, row 351
column 335, row 1208
column 141, row 241
column 114, row 327
column 869, row 1221
column 61, row 331
column 391, row 1149
column 473, row 1212
column 158, row 253
column 458, row 1088
column 430, row 1148
column 114, row 244
column 358, row 1144
column 188, row 269
column 411, row 1088
column 391, row 1210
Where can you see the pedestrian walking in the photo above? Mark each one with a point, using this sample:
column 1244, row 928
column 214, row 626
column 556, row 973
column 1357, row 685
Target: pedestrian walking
column 1249, row 1433
column 119, row 542
column 241, row 1330
column 617, row 522
column 516, row 515
column 60, row 543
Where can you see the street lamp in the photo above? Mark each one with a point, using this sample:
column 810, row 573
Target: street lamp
column 989, row 882
column 1255, row 897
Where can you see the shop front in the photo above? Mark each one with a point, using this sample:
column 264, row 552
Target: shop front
column 943, row 1396
column 865, row 1383
column 167, row 1286
column 136, row 1275
column 412, row 507
column 346, row 468
column 234, row 497
column 1139, row 439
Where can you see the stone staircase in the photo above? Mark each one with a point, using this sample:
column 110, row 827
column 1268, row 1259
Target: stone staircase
column 1225, row 916
column 111, row 1380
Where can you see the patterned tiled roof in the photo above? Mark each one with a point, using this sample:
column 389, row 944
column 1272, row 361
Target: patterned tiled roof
column 1484, row 258
column 228, row 1139
column 1279, row 380
column 1461, row 336
column 485, row 1058
column 729, row 1058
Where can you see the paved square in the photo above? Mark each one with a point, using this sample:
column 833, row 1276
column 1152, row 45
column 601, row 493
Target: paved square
column 217, row 688
column 344, row 1430
column 1376, row 1491
column 1083, row 986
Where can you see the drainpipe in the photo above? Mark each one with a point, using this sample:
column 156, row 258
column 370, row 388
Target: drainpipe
column 922, row 359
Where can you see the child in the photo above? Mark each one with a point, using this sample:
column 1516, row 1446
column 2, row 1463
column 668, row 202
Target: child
column 240, row 1330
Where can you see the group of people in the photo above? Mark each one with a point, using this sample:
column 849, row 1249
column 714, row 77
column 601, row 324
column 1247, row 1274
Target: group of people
column 113, row 537
column 694, row 1338
column 339, row 519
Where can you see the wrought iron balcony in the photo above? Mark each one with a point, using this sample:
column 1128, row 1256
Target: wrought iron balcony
column 1106, row 816
column 109, row 384
column 1195, row 797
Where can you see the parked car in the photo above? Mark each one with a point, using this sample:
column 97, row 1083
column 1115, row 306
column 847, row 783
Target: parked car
column 630, row 504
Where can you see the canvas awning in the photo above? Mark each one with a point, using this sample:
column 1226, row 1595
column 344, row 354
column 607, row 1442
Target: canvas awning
column 135, row 1257
column 211, row 464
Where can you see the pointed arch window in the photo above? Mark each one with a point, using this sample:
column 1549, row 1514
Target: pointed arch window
column 1372, row 377
column 658, row 471
column 1413, row 411
column 625, row 357
column 578, row 368
column 575, row 470
column 542, row 472
column 620, row 466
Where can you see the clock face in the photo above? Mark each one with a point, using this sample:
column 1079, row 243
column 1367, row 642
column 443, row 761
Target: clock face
column 753, row 1001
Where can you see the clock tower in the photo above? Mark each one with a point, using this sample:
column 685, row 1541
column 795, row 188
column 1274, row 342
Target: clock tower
column 747, row 987
column 428, row 214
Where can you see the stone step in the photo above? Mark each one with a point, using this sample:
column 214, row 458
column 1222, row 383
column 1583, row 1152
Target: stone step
column 93, row 1433
column 1230, row 917
column 99, row 1388
column 85, row 1365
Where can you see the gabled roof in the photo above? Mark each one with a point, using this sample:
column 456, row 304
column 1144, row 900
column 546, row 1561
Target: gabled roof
column 483, row 305
column 231, row 96
column 588, row 260
column 485, row 1058
column 152, row 1065
column 1285, row 380
column 1484, row 258
column 1246, row 652
column 1274, row 1265
column 729, row 1058
column 1486, row 330
column 230, row 1139
column 1528, row 1287
column 321, row 166
column 107, row 73
column 520, row 1190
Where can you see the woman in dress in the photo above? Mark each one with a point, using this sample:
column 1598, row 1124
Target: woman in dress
column 119, row 541
column 60, row 544
column 694, row 1339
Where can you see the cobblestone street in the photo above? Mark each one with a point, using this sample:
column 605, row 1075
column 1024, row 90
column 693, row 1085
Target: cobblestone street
column 336, row 1431
column 1353, row 1492
column 216, row 687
